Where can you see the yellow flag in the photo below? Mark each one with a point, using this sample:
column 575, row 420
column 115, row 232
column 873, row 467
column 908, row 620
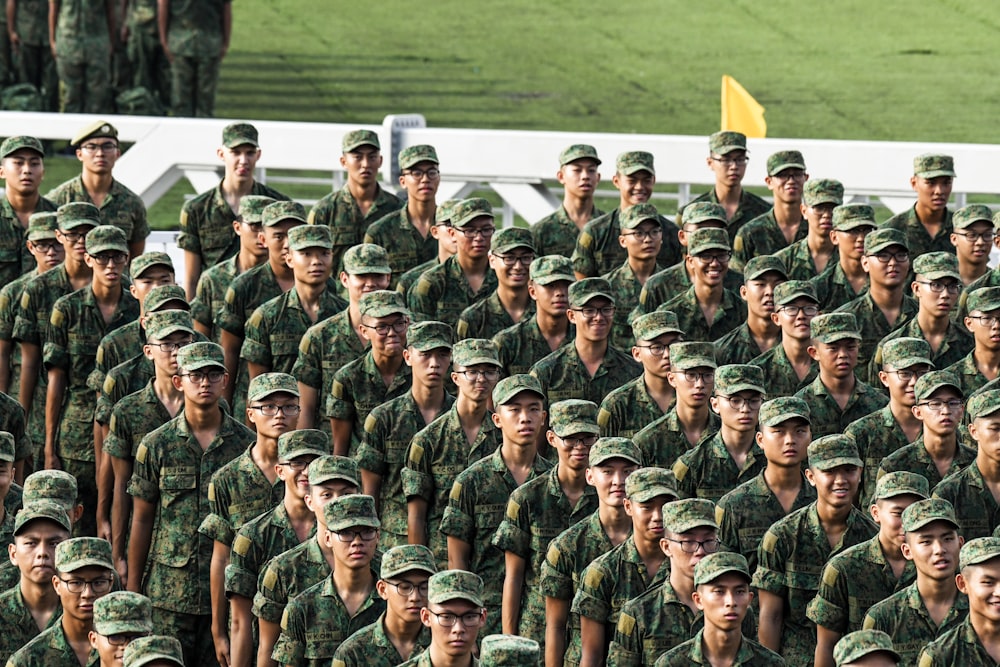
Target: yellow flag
column 740, row 111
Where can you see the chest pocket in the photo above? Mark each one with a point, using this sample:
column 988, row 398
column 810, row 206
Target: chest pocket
column 177, row 483
column 344, row 236
column 217, row 235
column 322, row 644
column 488, row 518
column 285, row 345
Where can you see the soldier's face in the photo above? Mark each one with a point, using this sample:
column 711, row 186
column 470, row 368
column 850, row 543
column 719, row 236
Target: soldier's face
column 573, row 449
column 693, row 385
column 48, row 253
column 655, row 365
column 981, row 582
column 786, row 444
column 320, row 494
column 889, row 274
column 240, row 161
column 683, row 561
column 743, row 418
column 932, row 193
column 459, row 639
column 311, row 266
column 639, row 243
column 152, row 277
column 472, row 240
column 820, row 217
column 251, row 238
column 406, row 607
column 987, row 335
column 514, row 276
column 709, row 267
column 945, row 421
column 836, row 359
column 608, row 477
column 446, row 240
column 362, row 164
column 647, row 518
column 634, row 188
column 974, row 250
column 278, row 424
column 730, row 168
column 421, row 181
column 34, row 550
column 597, row 327
column 521, row 418
column 356, row 554
column 165, row 360
column 786, row 185
column 275, row 238
column 793, row 319
column 80, row 606
column 937, row 304
column 836, row 486
column 934, row 550
column 724, row 601
column 99, row 155
column 901, row 381
column 429, row 366
column 480, row 388
column 580, row 178
column 22, row 171
column 986, row 432
column 295, row 474
column 74, row 241
column 888, row 514
column 111, row 654
column 851, row 242
column 551, row 299
column 759, row 293
column 359, row 284
column 392, row 342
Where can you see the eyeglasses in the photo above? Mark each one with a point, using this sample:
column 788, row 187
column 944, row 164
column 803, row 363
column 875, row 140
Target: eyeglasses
column 730, row 161
column 810, row 311
column 972, row 237
column 643, row 234
column 271, row 410
column 172, row 346
column 885, row 257
column 200, row 376
column 447, row 620
column 656, row 349
column 98, row 586
column 45, row 247
column 405, row 588
column 591, row 313
column 693, row 376
column 937, row 287
column 708, row 259
column 986, row 320
column 907, row 375
column 472, row 374
column 691, row 546
column 738, row 402
column 418, row 174
column 106, row 258
column 297, row 465
column 937, row 405
column 124, row 638
column 366, row 534
column 254, row 226
column 74, row 237
column 790, row 175
column 485, row 232
column 511, row 260
column 399, row 326
column 586, row 441
column 107, row 147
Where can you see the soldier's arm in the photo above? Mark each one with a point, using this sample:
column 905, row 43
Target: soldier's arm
column 53, row 411
column 220, row 606
column 268, row 634
column 556, row 620
column 772, row 617
column 342, row 430
column 121, row 505
column 459, row 553
column 31, row 362
column 143, row 514
column 416, row 519
column 109, row 15
column 825, row 641
column 592, row 634
column 53, row 18
column 11, row 8
column 513, row 589
column 231, row 345
column 163, row 27
column 227, row 27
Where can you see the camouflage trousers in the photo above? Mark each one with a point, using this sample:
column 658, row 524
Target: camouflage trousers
column 34, row 64
column 194, row 81
column 150, row 67
column 85, row 473
column 84, row 83
column 193, row 631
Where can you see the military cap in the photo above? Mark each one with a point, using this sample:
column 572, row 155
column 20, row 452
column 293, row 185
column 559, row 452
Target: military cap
column 852, row 216
column 790, row 290
column 919, row 514
column 412, row 155
column 634, row 216
column 382, row 303
column 99, row 128
column 929, row 165
column 883, row 238
column 978, row 551
column 937, row 265
column 973, row 213
column 905, row 352
column 508, row 651
column 761, row 264
column 6, row 446
column 656, row 323
column 551, row 268
column 983, row 404
column 144, row 650
column 239, row 134
column 473, row 351
column 831, row 327
column 355, row 509
column 700, row 212
column 14, row 144
column 123, row 612
column 252, row 208
column 53, row 485
column 407, row 558
column 708, row 238
column 358, row 138
column 934, row 380
column 443, row 212
column 578, row 152
column 79, row 552
column 856, row 645
column 42, row 225
column 781, row 409
column 782, row 160
column 309, row 236
column 684, row 515
column 162, row 323
column 734, row 378
column 901, row 483
column 834, row 450
column 429, row 335
column 366, row 258
column 647, row 483
column 280, row 211
column 713, row 566
column 696, row 354
column 727, row 141
column 41, row 509
column 630, row 162
column 823, row 191
column 147, row 260
column 455, row 585
column 161, row 295
column 106, row 237
column 984, row 299
column 200, row 355
column 569, row 417
column 266, row 384
column 614, row 448
column 331, row 467
column 509, row 387
column 303, row 442
column 468, row 210
column 583, row 291
column 509, row 238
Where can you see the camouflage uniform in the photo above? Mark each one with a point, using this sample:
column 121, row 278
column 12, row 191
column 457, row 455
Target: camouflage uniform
column 833, row 288
column 877, row 435
column 958, row 646
column 15, row 260
column 750, row 207
column 52, row 649
column 520, row 346
column 690, row 652
column 274, row 331
column 597, row 250
column 799, row 262
column 325, row 348
column 663, row 441
column 556, row 234
column 628, row 409
column 209, row 300
column 731, row 313
column 915, row 458
column 403, row 243
column 150, row 67
column 285, row 576
column 738, row 347
column 195, row 38
column 957, row 345
column 83, row 48
column 978, row 512
column 10, row 297
column 12, row 420
column 827, row 417
column 17, row 625
column 872, row 324
column 970, row 379
column 34, row 62
column 238, row 492
column 443, row 292
column 371, row 647
column 762, row 236
column 258, row 541
column 904, row 617
column 780, row 377
column 121, row 207
column 563, row 375
column 358, row 389
column 487, row 318
column 917, row 238
column 132, row 418
column 708, row 470
column 410, row 278
column 624, row 284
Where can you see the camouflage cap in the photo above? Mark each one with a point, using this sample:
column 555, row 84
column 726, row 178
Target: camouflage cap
column 761, row 264
column 266, row 384
column 831, row 327
column 606, row 449
column 971, row 214
column 56, row 486
column 79, row 552
column 14, row 144
column 901, row 483
column 696, row 354
column 930, row 165
column 473, row 351
column 354, row 509
column 310, row 236
column 630, row 162
column 578, row 152
column 147, row 260
column 509, row 238
column 508, row 651
column 727, row 141
column 983, row 404
column 200, row 355
column 281, row 211
column 548, row 269
column 687, row 514
column 834, row 450
column 455, row 585
column 823, row 191
column 252, row 208
column 468, row 210
column 919, row 514
column 569, row 417
column 852, row 216
column 161, row 324
column 984, row 299
column 41, row 509
column 782, row 160
column 651, row 325
column 509, row 387
column 407, row 558
column 781, row 409
column 366, row 258
column 106, row 237
column 901, row 353
column 713, row 566
column 937, row 265
column 382, row 303
column 708, row 238
column 647, row 483
column 7, row 446
column 98, row 128
column 303, row 442
column 634, row 216
column 444, row 211
column 123, row 612
column 978, row 551
column 144, row 650
column 856, row 645
column 429, row 335
column 42, row 225
column 327, row 468
column 790, row 290
column 883, row 238
column 412, row 155
column 934, row 380
column 734, row 378
column 239, row 134
column 161, row 295
column 700, row 212
column 583, row 291
column 358, row 138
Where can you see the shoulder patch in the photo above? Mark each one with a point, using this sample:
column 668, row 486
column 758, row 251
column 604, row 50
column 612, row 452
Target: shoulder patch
column 719, row 513
column 25, row 300
column 585, row 240
column 592, row 577
column 241, row 544
column 738, row 243
column 416, row 453
column 57, row 318
column 100, row 354
column 339, row 663
column 256, row 318
column 211, row 492
column 603, row 417
column 230, row 295
column 868, row 623
column 337, row 389
column 553, row 555
column 513, row 509
column 769, row 541
column 456, row 491
column 270, row 579
column 925, row 659
column 311, row 218
column 141, row 454
column 4, row 302
column 461, row 329
column 113, row 422
column 109, row 384
column 184, row 218
column 370, row 422
column 284, row 620
column 626, row 624
column 830, row 575
column 680, row 469
column 304, row 345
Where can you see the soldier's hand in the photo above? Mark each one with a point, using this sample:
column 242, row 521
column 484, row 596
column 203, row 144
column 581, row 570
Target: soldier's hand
column 104, row 529
column 15, row 40
column 121, row 566
column 52, row 47
column 222, row 650
column 124, row 34
column 52, row 461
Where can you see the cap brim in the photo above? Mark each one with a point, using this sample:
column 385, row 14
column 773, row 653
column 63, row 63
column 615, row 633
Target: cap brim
column 386, row 311
column 203, row 363
column 503, row 398
column 173, row 328
column 122, row 627
column 796, row 295
column 295, row 218
column 937, row 385
column 570, row 159
column 713, row 246
column 73, row 223
column 34, row 514
column 147, row 658
column 936, row 173
column 473, row 361
column 786, row 165
column 659, row 331
column 628, row 171
column 828, row 464
column 327, row 477
column 242, row 141
column 722, row 571
column 281, row 390
column 507, row 247
column 882, row 246
column 81, row 563
column 917, row 525
column 653, row 492
column 937, row 275
column 854, row 224
column 553, row 277
column 861, row 652
column 837, row 335
column 769, row 269
column 785, row 416
column 825, row 199
column 744, row 386
column 348, row 522
column 358, row 144
column 895, row 493
column 431, row 344
column 39, row 236
column 613, row 455
column 409, row 567
column 912, row 361
column 101, row 247
column 576, row 427
column 726, row 150
column 582, row 300
column 311, row 244
column 304, row 451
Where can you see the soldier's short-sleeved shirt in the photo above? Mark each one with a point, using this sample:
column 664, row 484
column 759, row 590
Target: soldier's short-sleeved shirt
column 780, row 377
column 405, row 246
column 13, row 420
column 207, row 222
column 519, row 347
column 709, row 471
column 424, row 660
column 731, row 313
column 10, row 298
column 597, row 249
column 668, row 283
column 52, row 649
column 790, row 563
column 443, row 292
column 488, row 317
column 132, row 419
column 195, row 28
column 31, row 23
column 690, row 652
column 750, row 207
column 563, row 375
column 409, row 279
column 173, row 473
column 81, row 25
column 122, row 380
column 975, row 508
column 210, row 295
column 626, row 288
column 872, row 324
column 918, row 241
column 274, row 331
column 827, row 417
column 762, row 236
column 876, row 435
column 738, row 347
column 833, row 289
column 663, row 441
column 958, row 646
column 358, row 388
column 970, row 379
column 39, row 295
column 556, row 233
column 628, row 409
column 958, row 343
column 17, row 625
column 121, row 207
column 238, row 492
column 915, row 458
column 258, row 541
column 371, row 647
column 989, row 279
column 325, row 348
column 285, row 576
column 799, row 261
column 904, row 617
column 15, row 260
column 116, row 347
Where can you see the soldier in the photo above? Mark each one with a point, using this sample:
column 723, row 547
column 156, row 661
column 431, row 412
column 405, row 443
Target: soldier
column 447, row 246
column 932, row 605
column 791, row 551
column 532, row 338
column 55, row 486
column 784, row 223
column 837, row 397
column 927, row 224
column 195, row 39
column 556, row 234
column 143, row 51
column 29, row 40
column 541, row 510
column 708, row 309
column 398, row 633
column 406, row 232
column 787, row 365
column 346, row 600
column 98, row 150
column 631, row 407
column 689, row 421
column 760, row 332
column 982, row 364
column 990, row 279
column 10, row 499
column 22, row 168
column 846, row 279
column 871, row 648
column 809, row 257
column 81, row 36
column 459, row 598
column 119, row 617
column 508, row 651
column 746, row 512
column 510, row 302
column 154, row 651
column 973, row 238
column 169, row 489
column 207, row 221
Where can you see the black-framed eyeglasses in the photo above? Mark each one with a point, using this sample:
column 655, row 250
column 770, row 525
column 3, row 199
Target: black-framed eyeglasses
column 418, row 174
column 710, row 545
column 585, row 441
column 885, row 257
column 106, row 258
column 171, row 346
column 937, row 405
column 399, row 326
column 98, row 586
column 469, row 620
column 938, row 287
column 810, row 311
column 908, row 374
column 473, row 374
column 485, row 232
column 972, row 237
column 106, row 146
column 271, row 410
column 298, row 465
column 643, row 234
column 74, row 237
column 707, row 377
column 124, row 638
column 366, row 534
column 729, row 161
column 986, row 320
column 591, row 313
column 254, row 226
column 790, row 175
column 511, row 260
column 45, row 246
column 709, row 258
column 737, row 402
column 406, row 588
column 200, row 376
column 655, row 349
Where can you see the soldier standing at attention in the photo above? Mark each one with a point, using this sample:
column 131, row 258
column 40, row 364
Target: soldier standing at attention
column 982, row 364
column 760, row 332
column 511, row 255
column 28, row 26
column 973, row 240
column 807, row 258
column 81, row 36
column 447, row 246
column 846, row 279
column 990, row 278
column 141, row 35
column 458, row 599
column 22, row 168
column 927, row 225
column 194, row 35
column 556, row 234
column 787, row 366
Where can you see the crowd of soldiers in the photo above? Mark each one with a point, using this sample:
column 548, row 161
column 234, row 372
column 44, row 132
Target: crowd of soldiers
column 385, row 432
